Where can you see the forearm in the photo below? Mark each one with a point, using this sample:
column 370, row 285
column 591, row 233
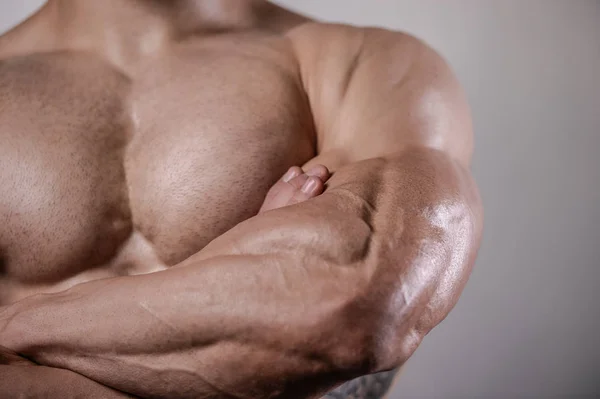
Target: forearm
column 287, row 304
column 21, row 378
column 205, row 329
column 46, row 382
column 197, row 331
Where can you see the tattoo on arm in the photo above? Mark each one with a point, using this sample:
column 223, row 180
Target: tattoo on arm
column 373, row 386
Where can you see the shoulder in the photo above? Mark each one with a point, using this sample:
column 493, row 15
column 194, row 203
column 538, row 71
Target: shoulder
column 383, row 77
column 389, row 56
column 367, row 52
column 356, row 41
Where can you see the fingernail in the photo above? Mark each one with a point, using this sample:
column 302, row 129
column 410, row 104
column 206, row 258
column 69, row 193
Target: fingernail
column 309, row 186
column 293, row 172
column 315, row 171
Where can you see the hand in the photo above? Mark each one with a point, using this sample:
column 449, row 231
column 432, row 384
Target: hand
column 296, row 186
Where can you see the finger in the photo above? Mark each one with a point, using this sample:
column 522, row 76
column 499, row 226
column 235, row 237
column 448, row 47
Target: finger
column 319, row 171
column 292, row 173
column 312, row 187
column 284, row 193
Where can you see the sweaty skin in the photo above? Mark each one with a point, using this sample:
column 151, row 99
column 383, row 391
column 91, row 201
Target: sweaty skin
column 150, row 246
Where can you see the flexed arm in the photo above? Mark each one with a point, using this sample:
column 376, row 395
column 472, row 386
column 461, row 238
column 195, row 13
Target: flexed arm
column 296, row 300
column 293, row 301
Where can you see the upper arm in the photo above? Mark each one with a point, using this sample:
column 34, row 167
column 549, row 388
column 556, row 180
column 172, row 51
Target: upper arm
column 375, row 92
column 386, row 95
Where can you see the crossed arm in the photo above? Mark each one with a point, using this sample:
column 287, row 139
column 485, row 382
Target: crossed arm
column 297, row 300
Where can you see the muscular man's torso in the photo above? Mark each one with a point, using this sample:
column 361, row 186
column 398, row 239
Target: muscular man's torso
column 120, row 159
column 109, row 171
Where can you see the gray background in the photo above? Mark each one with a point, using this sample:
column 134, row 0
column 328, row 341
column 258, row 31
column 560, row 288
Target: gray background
column 527, row 324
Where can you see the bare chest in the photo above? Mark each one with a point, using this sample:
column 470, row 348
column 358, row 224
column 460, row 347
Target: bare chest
column 104, row 173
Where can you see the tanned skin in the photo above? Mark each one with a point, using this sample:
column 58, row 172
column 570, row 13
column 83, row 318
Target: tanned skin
column 149, row 245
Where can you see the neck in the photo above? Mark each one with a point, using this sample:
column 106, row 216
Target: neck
column 129, row 28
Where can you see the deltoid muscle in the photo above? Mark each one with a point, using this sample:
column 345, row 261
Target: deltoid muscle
column 373, row 386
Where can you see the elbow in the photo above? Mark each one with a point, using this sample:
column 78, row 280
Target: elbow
column 368, row 349
column 384, row 324
column 374, row 336
column 411, row 277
